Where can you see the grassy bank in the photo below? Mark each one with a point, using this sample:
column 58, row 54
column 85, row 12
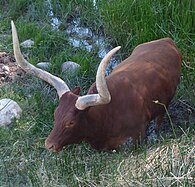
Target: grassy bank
column 23, row 158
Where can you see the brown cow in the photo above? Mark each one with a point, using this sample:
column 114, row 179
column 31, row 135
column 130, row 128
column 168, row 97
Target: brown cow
column 116, row 107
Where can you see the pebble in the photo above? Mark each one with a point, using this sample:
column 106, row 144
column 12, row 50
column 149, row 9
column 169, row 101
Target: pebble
column 5, row 68
column 27, row 43
column 70, row 66
column 43, row 65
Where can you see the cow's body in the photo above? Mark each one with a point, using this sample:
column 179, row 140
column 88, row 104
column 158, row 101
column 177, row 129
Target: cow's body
column 124, row 103
column 151, row 73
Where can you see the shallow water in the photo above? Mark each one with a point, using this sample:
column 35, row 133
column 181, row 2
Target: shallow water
column 84, row 37
column 55, row 22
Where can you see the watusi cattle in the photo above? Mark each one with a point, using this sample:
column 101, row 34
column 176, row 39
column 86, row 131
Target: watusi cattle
column 118, row 106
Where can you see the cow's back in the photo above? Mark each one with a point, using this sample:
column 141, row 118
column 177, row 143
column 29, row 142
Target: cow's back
column 151, row 73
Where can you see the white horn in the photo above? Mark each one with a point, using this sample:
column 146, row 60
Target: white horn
column 56, row 82
column 103, row 96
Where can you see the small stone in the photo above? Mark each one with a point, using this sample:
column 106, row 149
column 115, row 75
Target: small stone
column 70, row 66
column 5, row 68
column 2, row 79
column 27, row 43
column 6, row 72
column 9, row 110
column 43, row 65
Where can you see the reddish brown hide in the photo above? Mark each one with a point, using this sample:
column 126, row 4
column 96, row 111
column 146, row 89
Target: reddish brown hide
column 151, row 73
column 116, row 107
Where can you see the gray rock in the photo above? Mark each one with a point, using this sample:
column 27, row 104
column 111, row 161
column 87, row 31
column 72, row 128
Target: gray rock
column 70, row 66
column 27, row 43
column 9, row 110
column 43, row 65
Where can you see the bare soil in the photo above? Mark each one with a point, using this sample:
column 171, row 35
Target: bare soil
column 8, row 68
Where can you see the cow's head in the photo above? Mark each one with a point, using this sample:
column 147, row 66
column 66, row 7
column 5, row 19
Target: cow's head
column 68, row 117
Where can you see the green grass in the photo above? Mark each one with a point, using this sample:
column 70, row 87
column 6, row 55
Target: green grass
column 24, row 161
column 130, row 23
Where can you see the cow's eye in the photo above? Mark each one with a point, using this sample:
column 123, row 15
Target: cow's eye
column 70, row 124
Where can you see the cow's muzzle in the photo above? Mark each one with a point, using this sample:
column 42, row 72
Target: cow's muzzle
column 52, row 146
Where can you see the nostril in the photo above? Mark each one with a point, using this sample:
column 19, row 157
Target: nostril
column 49, row 145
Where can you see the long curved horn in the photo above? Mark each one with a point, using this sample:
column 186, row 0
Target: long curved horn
column 103, row 96
column 56, row 82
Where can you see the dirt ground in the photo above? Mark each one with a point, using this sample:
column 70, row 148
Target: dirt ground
column 8, row 69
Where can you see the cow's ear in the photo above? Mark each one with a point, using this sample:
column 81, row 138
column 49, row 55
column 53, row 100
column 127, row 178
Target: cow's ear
column 76, row 90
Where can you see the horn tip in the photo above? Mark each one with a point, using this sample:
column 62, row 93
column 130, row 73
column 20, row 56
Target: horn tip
column 12, row 22
column 13, row 25
column 116, row 49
